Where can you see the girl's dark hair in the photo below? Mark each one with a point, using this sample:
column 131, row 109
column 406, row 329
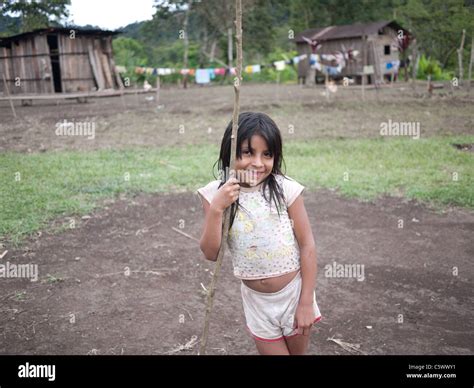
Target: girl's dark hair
column 250, row 124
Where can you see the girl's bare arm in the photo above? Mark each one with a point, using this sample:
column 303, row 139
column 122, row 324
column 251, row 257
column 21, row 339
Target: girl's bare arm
column 211, row 236
column 304, row 235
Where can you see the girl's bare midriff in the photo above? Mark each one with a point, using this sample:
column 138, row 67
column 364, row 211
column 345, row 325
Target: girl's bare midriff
column 271, row 284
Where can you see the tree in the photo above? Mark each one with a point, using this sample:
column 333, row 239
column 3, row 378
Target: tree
column 437, row 26
column 129, row 52
column 220, row 16
column 35, row 14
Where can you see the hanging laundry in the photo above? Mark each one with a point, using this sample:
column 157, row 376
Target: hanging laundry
column 149, row 70
column 155, row 71
column 248, row 69
column 296, row 60
column 392, row 65
column 212, row 73
column 279, row 65
column 202, row 76
column 121, row 69
column 233, row 71
column 339, row 58
column 139, row 70
column 333, row 70
column 165, row 71
column 192, row 72
column 256, row 69
column 303, row 56
column 328, row 57
column 219, row 71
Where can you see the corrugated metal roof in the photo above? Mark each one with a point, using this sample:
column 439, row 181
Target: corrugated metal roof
column 347, row 31
column 62, row 30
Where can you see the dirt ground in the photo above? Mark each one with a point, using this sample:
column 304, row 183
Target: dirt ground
column 125, row 282
column 201, row 114
column 89, row 305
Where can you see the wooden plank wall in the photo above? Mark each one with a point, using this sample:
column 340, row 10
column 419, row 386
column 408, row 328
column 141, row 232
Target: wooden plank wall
column 388, row 38
column 357, row 44
column 28, row 62
column 43, row 68
column 5, row 67
column 76, row 72
column 29, row 59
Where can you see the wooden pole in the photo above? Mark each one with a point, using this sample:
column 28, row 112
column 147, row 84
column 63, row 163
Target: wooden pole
column 7, row 92
column 363, row 85
column 326, row 83
column 414, row 63
column 158, row 91
column 233, row 148
column 470, row 64
column 460, row 52
column 278, row 86
column 186, row 44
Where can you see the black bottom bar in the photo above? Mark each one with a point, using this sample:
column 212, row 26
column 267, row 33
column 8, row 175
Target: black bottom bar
column 312, row 371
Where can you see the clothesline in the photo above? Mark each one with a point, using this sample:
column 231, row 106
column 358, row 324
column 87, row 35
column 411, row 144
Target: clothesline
column 208, row 74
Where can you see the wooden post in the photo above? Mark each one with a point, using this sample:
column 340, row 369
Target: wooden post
column 460, row 52
column 7, row 92
column 186, row 44
column 233, row 149
column 364, row 64
column 158, row 91
column 414, row 63
column 326, row 83
column 278, row 86
column 470, row 64
column 363, row 86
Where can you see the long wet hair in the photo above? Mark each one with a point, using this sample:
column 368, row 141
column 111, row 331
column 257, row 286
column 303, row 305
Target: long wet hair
column 250, row 124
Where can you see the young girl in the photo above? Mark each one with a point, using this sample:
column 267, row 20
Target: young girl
column 270, row 239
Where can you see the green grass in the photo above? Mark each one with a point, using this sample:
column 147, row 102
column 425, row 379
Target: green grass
column 71, row 183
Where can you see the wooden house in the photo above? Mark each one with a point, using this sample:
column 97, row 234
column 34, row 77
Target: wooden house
column 58, row 60
column 375, row 42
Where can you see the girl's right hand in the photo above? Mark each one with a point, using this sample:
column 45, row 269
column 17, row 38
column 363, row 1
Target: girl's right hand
column 226, row 195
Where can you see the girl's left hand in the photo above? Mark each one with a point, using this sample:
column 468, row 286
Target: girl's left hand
column 304, row 318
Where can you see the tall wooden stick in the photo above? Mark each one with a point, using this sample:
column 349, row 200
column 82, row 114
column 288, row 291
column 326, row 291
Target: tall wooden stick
column 7, row 93
column 470, row 65
column 460, row 52
column 233, row 148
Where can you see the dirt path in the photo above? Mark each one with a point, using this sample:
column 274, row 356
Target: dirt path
column 97, row 309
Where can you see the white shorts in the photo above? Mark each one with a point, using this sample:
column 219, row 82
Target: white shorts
column 270, row 316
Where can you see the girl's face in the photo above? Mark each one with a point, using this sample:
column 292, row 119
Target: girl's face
column 256, row 159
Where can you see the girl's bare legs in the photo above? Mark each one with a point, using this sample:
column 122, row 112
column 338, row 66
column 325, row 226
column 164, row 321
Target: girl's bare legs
column 277, row 348
column 298, row 344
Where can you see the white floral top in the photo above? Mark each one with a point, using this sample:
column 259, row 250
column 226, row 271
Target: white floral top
column 262, row 244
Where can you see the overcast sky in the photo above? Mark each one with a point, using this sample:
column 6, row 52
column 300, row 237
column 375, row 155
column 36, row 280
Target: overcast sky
column 110, row 14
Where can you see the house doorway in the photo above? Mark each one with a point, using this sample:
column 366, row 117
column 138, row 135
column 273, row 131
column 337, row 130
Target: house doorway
column 55, row 66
